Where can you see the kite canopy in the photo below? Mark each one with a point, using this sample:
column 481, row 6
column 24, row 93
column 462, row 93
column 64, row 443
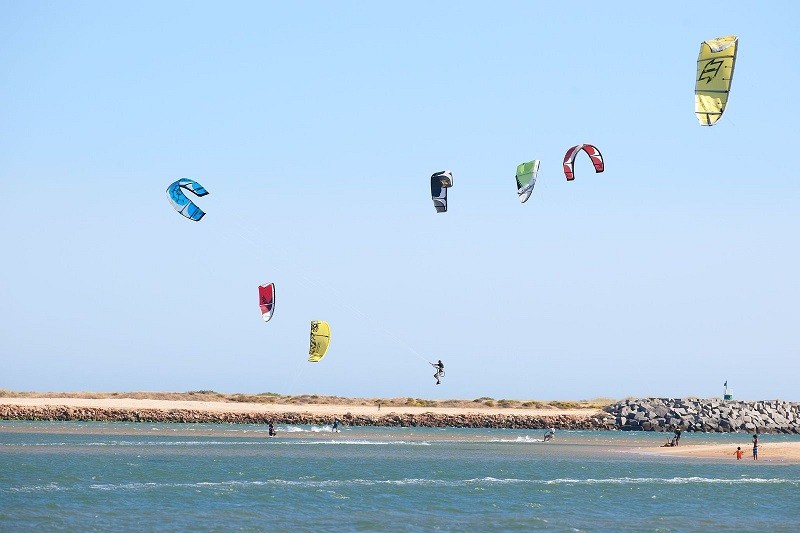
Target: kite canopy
column 526, row 179
column 320, row 339
column 714, row 75
column 266, row 300
column 181, row 203
column 593, row 153
column 440, row 182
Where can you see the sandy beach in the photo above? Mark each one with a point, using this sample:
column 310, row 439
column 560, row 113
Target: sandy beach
column 767, row 451
column 314, row 409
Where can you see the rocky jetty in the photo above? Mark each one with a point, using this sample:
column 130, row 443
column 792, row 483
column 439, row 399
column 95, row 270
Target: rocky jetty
column 668, row 414
column 647, row 414
column 55, row 412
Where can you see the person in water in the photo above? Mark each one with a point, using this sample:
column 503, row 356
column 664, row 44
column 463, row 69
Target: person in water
column 439, row 371
column 738, row 453
column 551, row 432
column 271, row 429
column 335, row 425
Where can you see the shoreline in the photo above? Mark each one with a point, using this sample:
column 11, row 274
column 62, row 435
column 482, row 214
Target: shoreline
column 783, row 452
column 193, row 412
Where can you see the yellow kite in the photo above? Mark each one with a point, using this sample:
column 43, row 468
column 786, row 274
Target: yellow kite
column 320, row 339
column 714, row 74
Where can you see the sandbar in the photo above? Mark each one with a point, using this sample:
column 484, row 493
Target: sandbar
column 315, row 409
column 767, row 451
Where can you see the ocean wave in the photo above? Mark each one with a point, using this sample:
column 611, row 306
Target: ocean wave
column 525, row 438
column 670, row 481
column 49, row 487
column 309, row 483
column 201, row 443
column 312, row 429
column 140, row 443
column 328, row 483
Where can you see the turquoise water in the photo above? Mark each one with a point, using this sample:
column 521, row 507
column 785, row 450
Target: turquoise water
column 79, row 476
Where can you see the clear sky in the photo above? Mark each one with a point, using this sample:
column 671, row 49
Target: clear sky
column 315, row 126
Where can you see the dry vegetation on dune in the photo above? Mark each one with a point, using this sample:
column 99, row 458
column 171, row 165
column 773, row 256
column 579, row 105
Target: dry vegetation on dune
column 314, row 399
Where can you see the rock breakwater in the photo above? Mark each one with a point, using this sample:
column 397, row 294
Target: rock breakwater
column 646, row 414
column 668, row 414
column 598, row 420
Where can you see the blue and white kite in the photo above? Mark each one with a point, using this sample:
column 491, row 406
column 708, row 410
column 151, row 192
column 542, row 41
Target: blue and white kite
column 181, row 203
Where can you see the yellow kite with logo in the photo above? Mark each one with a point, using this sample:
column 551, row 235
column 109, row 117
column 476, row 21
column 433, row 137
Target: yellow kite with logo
column 714, row 75
column 320, row 339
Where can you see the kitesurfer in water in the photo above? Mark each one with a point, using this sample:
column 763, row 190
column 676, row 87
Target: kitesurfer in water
column 335, row 427
column 271, row 429
column 551, row 432
column 439, row 371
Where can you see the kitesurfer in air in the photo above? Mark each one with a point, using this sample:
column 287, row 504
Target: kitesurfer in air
column 439, row 371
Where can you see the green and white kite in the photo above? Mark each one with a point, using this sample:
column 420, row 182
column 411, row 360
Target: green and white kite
column 526, row 179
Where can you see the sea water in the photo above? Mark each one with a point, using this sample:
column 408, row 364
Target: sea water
column 94, row 476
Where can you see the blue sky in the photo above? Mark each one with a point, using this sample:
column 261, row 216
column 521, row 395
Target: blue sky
column 315, row 127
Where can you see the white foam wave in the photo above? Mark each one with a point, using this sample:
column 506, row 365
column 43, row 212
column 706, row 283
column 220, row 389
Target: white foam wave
column 526, row 439
column 312, row 429
column 137, row 443
column 50, row 487
column 670, row 481
column 173, row 443
column 201, row 443
column 475, row 482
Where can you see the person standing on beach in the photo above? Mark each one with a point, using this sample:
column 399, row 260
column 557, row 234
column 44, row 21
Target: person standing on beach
column 677, row 436
column 755, row 449
column 738, row 453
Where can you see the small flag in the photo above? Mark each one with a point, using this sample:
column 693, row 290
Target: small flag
column 726, row 383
